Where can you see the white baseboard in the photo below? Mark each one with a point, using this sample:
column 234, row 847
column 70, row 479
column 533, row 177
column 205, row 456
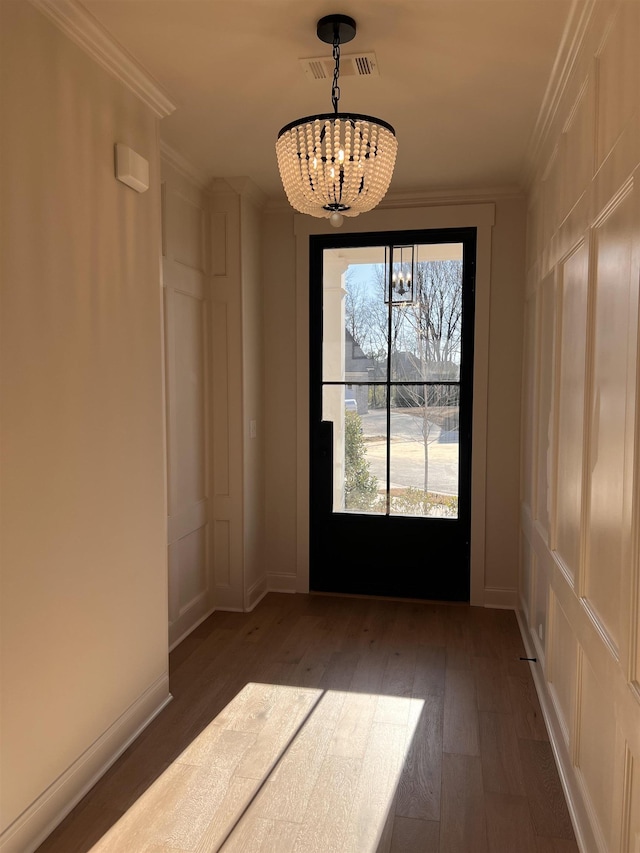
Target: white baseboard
column 281, row 582
column 191, row 629
column 29, row 830
column 256, row 593
column 229, row 598
column 578, row 807
column 500, row 598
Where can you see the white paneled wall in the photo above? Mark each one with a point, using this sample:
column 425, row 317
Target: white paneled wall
column 186, row 261
column 237, row 468
column 579, row 579
column 213, row 372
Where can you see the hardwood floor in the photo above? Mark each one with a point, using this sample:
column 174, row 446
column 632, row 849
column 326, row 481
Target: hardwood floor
column 319, row 724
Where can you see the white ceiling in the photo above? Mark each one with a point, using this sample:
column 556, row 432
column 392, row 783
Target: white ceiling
column 462, row 81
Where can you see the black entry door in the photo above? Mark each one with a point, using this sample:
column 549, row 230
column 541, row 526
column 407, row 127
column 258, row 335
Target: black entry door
column 391, row 337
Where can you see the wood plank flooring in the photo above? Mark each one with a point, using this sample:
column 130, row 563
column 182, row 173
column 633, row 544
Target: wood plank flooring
column 318, row 724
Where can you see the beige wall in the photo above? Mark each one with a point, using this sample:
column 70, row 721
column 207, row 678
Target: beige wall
column 84, row 578
column 503, row 409
column 579, row 580
column 280, row 399
column 498, row 354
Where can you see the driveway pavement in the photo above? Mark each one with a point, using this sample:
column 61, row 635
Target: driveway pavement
column 407, row 453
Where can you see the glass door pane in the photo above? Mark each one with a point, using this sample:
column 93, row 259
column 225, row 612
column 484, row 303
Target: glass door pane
column 359, row 453
column 424, row 451
column 354, row 324
column 391, row 330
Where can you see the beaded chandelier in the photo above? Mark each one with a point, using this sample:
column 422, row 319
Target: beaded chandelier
column 336, row 164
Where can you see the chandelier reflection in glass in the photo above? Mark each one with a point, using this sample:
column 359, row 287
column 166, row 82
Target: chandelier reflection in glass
column 336, row 164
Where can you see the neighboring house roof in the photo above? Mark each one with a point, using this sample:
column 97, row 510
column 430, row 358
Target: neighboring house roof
column 355, row 361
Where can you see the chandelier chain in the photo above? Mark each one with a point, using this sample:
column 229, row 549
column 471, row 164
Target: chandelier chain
column 335, row 90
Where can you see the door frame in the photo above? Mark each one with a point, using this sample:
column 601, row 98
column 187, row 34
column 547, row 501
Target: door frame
column 480, row 216
column 447, row 538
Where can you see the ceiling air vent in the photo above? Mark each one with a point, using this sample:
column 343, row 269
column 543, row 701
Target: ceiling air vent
column 364, row 65
column 315, row 69
column 351, row 65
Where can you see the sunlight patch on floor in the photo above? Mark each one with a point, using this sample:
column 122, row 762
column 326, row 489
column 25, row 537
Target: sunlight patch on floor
column 282, row 769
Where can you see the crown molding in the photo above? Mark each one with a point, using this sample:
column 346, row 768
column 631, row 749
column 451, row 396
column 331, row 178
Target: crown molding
column 87, row 32
column 184, row 166
column 573, row 35
column 430, row 198
column 244, row 187
column 450, row 196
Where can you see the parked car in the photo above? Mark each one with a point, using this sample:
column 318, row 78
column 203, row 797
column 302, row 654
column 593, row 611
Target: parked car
column 350, row 405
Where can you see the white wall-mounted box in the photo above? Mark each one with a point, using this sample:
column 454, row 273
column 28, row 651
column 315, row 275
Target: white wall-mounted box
column 131, row 168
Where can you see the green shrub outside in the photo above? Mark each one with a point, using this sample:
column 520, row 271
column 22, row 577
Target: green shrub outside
column 360, row 486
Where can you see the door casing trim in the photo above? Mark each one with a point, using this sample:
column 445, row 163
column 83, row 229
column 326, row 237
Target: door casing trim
column 478, row 216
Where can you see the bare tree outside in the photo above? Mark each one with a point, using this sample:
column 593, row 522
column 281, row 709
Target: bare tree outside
column 433, row 333
column 422, row 340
